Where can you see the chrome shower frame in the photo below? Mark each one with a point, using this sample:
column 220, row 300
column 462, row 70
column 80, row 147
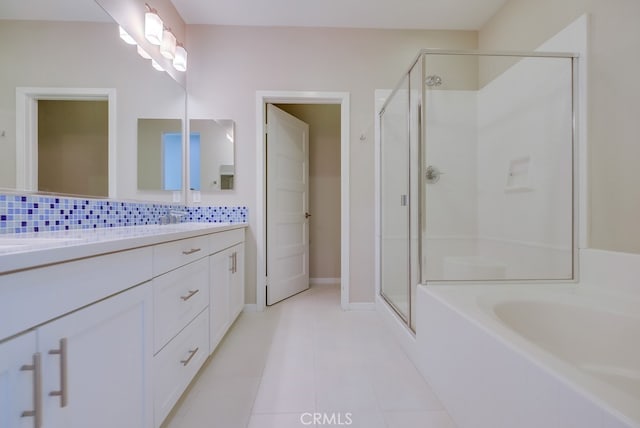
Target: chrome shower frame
column 432, row 81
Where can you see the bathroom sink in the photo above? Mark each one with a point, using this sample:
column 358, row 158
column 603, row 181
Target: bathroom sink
column 18, row 243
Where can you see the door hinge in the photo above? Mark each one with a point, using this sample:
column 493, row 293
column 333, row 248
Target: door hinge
column 266, row 128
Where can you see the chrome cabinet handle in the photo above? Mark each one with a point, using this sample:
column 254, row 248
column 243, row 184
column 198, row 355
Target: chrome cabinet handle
column 36, row 368
column 62, row 392
column 191, row 251
column 190, row 295
column 231, row 263
column 234, row 262
column 192, row 353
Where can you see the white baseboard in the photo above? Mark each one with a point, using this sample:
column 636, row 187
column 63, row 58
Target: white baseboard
column 362, row 306
column 250, row 307
column 324, row 281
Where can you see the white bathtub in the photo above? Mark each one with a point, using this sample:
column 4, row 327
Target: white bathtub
column 518, row 356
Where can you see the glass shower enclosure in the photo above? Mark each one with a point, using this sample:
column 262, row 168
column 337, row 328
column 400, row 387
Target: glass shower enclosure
column 477, row 172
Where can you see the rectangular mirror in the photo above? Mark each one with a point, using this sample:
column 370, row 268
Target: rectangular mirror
column 211, row 154
column 93, row 57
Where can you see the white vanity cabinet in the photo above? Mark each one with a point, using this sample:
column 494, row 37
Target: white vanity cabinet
column 95, row 364
column 77, row 335
column 181, row 318
column 20, row 370
column 112, row 333
column 236, row 281
column 227, row 283
column 87, row 368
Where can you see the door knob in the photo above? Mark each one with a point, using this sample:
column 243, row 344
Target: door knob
column 307, row 215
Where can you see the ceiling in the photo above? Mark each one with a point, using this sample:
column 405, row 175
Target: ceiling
column 396, row 14
column 53, row 10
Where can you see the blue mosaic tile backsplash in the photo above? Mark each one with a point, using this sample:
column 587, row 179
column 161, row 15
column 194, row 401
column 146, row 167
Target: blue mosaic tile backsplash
column 35, row 213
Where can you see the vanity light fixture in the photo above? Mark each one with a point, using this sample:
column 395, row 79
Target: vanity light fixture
column 126, row 37
column 180, row 60
column 168, row 46
column 156, row 33
column 155, row 65
column 153, row 27
column 143, row 53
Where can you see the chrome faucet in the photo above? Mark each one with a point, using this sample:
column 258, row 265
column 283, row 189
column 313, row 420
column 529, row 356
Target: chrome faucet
column 172, row 217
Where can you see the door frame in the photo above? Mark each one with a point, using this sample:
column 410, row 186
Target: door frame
column 27, row 129
column 301, row 97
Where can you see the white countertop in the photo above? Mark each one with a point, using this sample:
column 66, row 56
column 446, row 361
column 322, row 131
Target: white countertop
column 27, row 250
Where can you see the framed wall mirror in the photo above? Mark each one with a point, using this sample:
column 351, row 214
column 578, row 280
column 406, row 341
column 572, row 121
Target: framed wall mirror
column 94, row 57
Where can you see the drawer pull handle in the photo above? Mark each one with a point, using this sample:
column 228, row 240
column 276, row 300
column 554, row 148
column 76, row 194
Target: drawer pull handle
column 62, row 392
column 190, row 295
column 192, row 353
column 36, row 413
column 191, row 251
column 233, row 261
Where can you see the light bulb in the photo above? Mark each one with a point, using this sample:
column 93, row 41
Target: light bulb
column 168, row 46
column 153, row 28
column 180, row 60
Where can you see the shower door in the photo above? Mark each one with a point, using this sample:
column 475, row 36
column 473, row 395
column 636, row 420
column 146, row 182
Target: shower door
column 400, row 195
column 394, row 209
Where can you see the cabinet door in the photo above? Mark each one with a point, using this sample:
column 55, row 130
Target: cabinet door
column 18, row 377
column 221, row 264
column 97, row 364
column 236, row 283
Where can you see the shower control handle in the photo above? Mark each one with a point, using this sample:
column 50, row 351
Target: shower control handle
column 433, row 174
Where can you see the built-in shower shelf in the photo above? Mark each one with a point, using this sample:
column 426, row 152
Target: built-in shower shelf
column 518, row 175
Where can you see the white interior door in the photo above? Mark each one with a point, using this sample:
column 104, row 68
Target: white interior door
column 287, row 205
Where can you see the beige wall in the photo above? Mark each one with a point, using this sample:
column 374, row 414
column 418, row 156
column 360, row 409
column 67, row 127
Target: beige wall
column 614, row 94
column 229, row 64
column 73, row 147
column 324, row 186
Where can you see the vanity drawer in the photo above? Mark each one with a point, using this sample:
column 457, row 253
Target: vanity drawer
column 178, row 296
column 176, row 365
column 223, row 240
column 35, row 296
column 173, row 254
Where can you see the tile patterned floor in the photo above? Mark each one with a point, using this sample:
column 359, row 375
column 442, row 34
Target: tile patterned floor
column 306, row 356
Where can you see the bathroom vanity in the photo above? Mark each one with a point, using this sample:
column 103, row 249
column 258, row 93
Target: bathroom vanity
column 108, row 327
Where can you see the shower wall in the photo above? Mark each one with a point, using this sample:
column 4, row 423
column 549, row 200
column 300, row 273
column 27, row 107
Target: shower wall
column 525, row 169
column 451, row 144
column 502, row 208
